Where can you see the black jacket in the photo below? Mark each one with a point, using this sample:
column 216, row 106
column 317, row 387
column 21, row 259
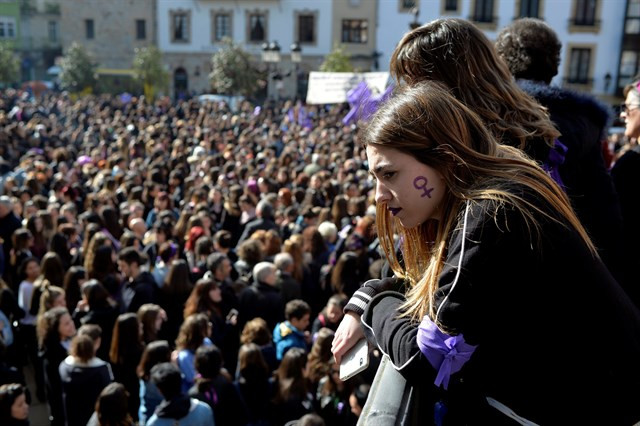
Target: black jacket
column 557, row 338
column 582, row 120
column 138, row 292
column 261, row 300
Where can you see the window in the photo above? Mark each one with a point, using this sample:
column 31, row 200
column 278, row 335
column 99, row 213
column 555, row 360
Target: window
column 579, row 63
column 257, row 27
column 7, row 28
column 52, row 29
column 632, row 25
column 88, row 29
column 585, row 12
column 180, row 27
column 2, row 30
column 529, row 9
column 306, row 29
column 355, row 30
column 629, row 67
column 451, row 5
column 141, row 29
column 221, row 26
column 407, row 5
column 483, row 11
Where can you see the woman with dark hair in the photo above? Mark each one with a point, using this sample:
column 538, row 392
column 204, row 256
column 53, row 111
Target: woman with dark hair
column 14, row 408
column 125, row 353
column 55, row 335
column 112, row 226
column 97, row 307
column 60, row 245
column 481, row 226
column 206, row 298
column 151, row 318
column 73, row 280
column 214, row 388
column 173, row 297
column 150, row 397
column 112, row 407
column 39, row 243
column 194, row 332
column 104, row 270
column 291, row 398
column 83, row 377
column 253, row 383
column 21, row 241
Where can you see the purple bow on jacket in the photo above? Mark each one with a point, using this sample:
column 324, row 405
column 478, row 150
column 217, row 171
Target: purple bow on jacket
column 447, row 354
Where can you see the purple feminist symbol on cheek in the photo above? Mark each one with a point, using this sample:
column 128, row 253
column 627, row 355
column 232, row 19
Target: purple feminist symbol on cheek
column 421, row 183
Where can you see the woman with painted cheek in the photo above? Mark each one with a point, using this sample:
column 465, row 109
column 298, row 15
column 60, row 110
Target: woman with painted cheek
column 480, row 227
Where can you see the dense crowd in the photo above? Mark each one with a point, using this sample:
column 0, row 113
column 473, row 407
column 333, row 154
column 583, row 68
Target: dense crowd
column 144, row 242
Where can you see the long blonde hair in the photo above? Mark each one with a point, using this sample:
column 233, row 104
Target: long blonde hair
column 428, row 123
column 457, row 54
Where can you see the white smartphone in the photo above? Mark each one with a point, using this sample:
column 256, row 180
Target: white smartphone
column 355, row 360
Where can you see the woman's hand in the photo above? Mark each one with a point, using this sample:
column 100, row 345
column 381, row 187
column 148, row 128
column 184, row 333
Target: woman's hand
column 349, row 332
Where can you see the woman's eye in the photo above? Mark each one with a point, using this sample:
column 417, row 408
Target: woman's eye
column 388, row 175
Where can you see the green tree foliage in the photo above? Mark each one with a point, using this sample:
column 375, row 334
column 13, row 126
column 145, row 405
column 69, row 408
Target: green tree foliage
column 337, row 61
column 78, row 72
column 232, row 72
column 150, row 71
column 9, row 65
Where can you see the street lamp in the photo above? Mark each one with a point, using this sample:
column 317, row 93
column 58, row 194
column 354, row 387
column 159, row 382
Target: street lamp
column 296, row 58
column 415, row 12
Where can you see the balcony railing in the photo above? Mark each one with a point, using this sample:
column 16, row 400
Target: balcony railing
column 582, row 22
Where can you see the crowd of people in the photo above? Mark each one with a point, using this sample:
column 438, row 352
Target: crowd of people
column 184, row 261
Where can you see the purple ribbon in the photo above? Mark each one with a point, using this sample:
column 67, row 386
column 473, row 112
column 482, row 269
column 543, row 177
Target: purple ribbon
column 447, row 354
column 556, row 158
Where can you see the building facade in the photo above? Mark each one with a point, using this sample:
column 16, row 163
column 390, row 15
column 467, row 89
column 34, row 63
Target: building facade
column 590, row 31
column 110, row 31
column 190, row 32
column 40, row 43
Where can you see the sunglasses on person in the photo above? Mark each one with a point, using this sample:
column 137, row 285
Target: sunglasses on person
column 628, row 108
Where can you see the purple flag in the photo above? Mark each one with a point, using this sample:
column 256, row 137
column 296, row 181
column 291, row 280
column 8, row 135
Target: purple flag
column 364, row 103
column 447, row 354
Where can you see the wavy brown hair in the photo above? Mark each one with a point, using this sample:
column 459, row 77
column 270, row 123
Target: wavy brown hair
column 428, row 123
column 456, row 53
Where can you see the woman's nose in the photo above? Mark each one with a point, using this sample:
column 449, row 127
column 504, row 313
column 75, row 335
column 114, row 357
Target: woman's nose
column 382, row 193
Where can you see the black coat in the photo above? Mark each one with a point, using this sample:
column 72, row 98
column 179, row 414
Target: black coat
column 557, row 338
column 81, row 386
column 582, row 119
column 261, row 300
column 138, row 292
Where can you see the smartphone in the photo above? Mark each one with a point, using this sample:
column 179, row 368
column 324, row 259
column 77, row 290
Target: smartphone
column 355, row 360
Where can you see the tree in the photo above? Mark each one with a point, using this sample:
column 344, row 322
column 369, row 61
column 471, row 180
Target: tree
column 337, row 61
column 77, row 70
column 232, row 72
column 9, row 65
column 149, row 70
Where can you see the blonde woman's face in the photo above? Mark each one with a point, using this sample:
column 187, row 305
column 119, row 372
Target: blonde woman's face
column 412, row 191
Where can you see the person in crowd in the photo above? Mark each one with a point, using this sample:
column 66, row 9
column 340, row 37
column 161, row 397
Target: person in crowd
column 154, row 353
column 152, row 318
column 263, row 221
column 331, row 315
column 14, row 406
column 531, row 49
column 261, row 299
column 194, row 332
column 293, row 332
column 625, row 175
column 319, row 364
column 74, row 278
column 177, row 408
column 291, row 398
column 289, row 287
column 51, row 274
column 83, row 377
column 140, row 287
column 124, row 355
column 30, row 270
column 471, row 214
column 213, row 387
column 256, row 331
column 253, row 383
column 9, row 223
column 97, row 308
column 111, row 408
column 167, row 254
column 55, row 333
